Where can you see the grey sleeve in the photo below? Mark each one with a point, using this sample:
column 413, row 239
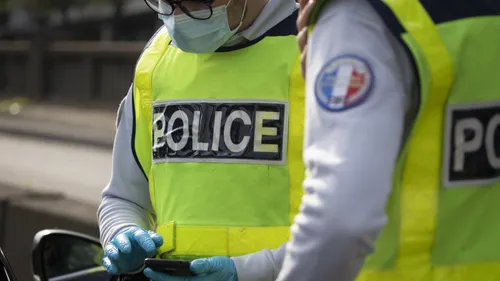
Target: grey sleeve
column 260, row 266
column 125, row 200
column 350, row 154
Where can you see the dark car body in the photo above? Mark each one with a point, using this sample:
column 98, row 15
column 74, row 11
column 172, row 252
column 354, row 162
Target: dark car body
column 61, row 255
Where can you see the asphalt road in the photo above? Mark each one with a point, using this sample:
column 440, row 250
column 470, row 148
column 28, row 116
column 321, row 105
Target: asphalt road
column 78, row 171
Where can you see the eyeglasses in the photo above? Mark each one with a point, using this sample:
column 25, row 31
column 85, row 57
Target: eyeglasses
column 196, row 9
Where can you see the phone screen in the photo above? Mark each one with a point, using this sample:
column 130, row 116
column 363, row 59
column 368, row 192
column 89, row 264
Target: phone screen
column 172, row 267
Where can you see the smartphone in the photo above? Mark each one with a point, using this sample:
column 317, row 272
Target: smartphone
column 172, row 267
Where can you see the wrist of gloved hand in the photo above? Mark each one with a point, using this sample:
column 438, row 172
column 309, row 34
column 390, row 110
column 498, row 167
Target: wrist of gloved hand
column 209, row 269
column 125, row 253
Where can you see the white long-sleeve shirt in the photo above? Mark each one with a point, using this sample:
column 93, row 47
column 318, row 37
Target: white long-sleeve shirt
column 350, row 151
column 126, row 200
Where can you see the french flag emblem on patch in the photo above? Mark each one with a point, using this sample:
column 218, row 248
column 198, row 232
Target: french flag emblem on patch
column 343, row 83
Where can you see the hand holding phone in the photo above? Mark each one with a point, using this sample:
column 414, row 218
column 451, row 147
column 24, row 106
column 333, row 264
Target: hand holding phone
column 172, row 267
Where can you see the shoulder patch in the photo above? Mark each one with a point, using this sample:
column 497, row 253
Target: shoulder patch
column 343, row 82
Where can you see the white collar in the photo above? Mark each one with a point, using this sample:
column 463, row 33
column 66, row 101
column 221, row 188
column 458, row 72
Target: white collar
column 273, row 13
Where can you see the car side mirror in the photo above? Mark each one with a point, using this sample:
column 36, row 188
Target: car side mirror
column 66, row 255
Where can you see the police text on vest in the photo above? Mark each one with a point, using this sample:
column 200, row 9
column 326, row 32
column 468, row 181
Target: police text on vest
column 472, row 145
column 220, row 131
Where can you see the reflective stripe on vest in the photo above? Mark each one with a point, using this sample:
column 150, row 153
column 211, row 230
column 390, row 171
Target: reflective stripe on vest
column 208, row 203
column 443, row 211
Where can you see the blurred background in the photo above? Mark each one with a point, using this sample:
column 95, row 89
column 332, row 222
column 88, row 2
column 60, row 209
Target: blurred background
column 64, row 67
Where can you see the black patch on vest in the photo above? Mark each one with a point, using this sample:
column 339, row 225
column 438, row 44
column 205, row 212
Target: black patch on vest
column 472, row 145
column 220, row 131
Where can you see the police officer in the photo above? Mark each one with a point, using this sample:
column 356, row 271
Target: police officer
column 402, row 142
column 207, row 159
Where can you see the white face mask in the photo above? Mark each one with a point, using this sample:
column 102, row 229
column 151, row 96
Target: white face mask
column 201, row 36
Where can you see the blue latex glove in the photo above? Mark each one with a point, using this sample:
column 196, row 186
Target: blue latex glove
column 126, row 252
column 211, row 269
